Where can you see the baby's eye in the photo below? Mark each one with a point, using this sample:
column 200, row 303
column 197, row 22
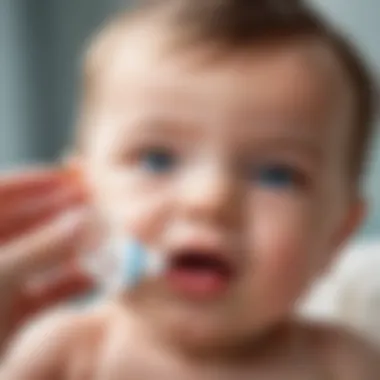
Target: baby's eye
column 158, row 160
column 276, row 176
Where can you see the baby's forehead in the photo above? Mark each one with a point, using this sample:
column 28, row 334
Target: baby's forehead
column 299, row 85
column 304, row 69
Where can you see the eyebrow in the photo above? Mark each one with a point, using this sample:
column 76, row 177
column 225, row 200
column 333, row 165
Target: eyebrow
column 165, row 126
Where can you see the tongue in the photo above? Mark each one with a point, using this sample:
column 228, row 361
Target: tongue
column 198, row 282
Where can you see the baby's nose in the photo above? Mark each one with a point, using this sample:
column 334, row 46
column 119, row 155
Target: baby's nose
column 210, row 194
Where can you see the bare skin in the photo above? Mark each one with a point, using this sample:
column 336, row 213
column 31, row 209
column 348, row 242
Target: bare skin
column 41, row 226
column 110, row 344
column 221, row 125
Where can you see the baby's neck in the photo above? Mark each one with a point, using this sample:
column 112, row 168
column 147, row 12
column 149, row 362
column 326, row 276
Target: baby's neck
column 251, row 358
column 221, row 354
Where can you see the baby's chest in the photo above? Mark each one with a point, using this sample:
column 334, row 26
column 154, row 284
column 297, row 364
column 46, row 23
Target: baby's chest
column 124, row 364
column 118, row 357
column 147, row 372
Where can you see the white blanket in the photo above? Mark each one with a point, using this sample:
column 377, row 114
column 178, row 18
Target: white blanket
column 350, row 293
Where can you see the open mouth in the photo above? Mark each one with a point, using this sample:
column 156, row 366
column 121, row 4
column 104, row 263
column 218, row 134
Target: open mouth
column 200, row 274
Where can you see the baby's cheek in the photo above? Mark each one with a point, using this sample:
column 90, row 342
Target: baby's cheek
column 143, row 216
column 127, row 207
column 282, row 245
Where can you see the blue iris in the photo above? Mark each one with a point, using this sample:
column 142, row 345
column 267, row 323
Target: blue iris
column 158, row 161
column 277, row 177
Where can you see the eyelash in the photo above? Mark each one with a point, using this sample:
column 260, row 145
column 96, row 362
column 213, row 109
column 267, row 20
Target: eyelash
column 161, row 160
column 278, row 176
column 158, row 160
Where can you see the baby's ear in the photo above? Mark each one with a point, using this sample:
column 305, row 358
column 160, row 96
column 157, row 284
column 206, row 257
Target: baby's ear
column 351, row 221
column 349, row 224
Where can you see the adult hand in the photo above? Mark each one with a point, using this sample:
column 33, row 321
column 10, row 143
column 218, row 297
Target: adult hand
column 42, row 227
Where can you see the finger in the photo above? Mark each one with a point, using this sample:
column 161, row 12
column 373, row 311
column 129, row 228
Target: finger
column 67, row 281
column 64, row 289
column 18, row 218
column 69, row 267
column 43, row 248
column 13, row 186
column 70, row 283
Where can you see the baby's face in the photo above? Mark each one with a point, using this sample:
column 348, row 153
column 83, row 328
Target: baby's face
column 234, row 168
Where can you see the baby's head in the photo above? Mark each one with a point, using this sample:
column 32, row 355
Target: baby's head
column 229, row 135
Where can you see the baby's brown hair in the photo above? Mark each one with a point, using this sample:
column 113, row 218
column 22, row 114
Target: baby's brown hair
column 239, row 24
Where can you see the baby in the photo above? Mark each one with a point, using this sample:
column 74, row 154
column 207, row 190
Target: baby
column 229, row 136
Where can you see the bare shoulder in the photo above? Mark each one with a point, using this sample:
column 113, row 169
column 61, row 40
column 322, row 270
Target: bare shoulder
column 42, row 349
column 344, row 353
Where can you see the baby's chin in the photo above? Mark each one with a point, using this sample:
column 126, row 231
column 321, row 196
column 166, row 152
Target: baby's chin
column 201, row 329
column 206, row 326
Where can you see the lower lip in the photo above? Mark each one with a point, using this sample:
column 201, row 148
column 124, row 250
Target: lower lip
column 198, row 284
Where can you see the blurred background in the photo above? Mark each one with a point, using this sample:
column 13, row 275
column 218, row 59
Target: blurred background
column 41, row 42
